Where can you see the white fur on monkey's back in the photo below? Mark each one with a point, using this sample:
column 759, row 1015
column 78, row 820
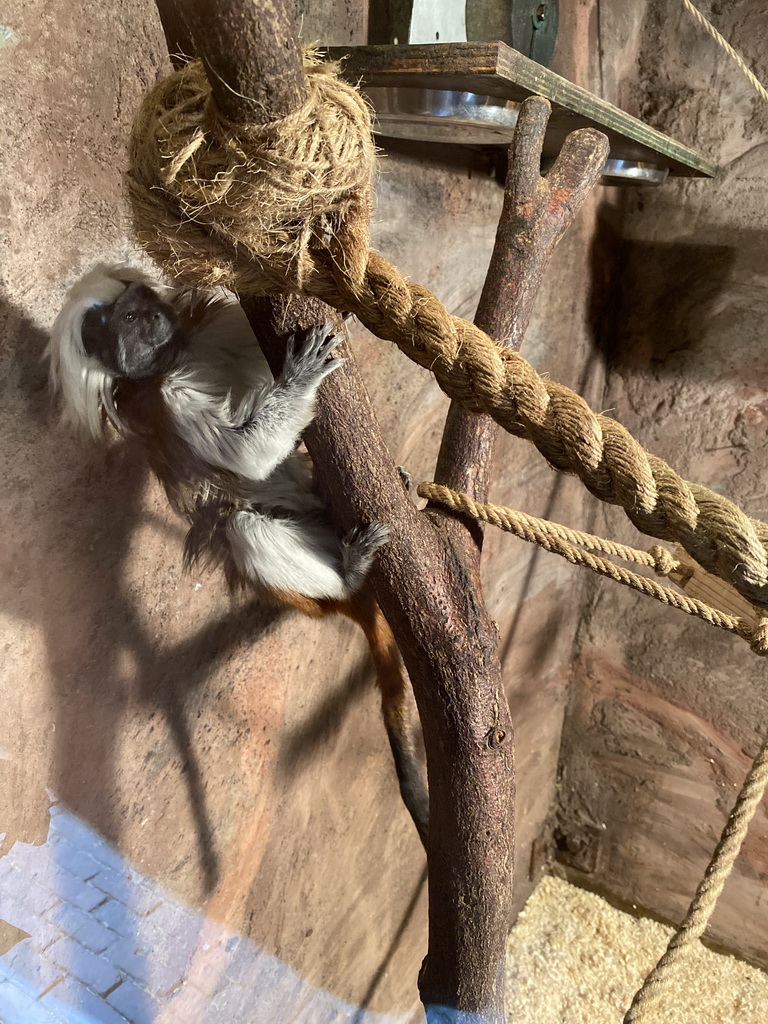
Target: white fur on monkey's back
column 230, row 435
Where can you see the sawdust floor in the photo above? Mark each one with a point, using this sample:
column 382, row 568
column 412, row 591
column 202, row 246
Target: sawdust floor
column 574, row 959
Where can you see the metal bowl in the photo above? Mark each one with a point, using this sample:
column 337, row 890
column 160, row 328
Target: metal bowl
column 472, row 119
column 633, row 172
column 443, row 115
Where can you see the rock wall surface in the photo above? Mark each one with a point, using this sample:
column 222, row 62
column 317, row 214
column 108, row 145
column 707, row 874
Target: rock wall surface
column 666, row 712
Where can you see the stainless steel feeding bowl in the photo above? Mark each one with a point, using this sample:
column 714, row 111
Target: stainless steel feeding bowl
column 442, row 115
column 633, row 172
column 472, row 119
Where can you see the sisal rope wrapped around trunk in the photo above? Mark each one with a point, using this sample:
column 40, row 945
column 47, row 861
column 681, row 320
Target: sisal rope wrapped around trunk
column 250, row 207
column 284, row 206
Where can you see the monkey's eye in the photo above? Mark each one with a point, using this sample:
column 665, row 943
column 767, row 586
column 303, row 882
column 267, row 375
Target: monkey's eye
column 129, row 317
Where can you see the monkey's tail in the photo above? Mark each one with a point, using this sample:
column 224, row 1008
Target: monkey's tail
column 395, row 706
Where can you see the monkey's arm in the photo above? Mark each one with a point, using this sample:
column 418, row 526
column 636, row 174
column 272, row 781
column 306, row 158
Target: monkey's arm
column 253, row 439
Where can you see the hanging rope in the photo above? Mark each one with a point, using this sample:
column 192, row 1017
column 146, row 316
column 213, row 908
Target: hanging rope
column 569, row 544
column 738, row 60
column 656, row 984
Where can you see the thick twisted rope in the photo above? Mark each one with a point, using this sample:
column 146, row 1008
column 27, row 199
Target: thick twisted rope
column 738, row 60
column 249, row 206
column 567, row 543
column 285, row 206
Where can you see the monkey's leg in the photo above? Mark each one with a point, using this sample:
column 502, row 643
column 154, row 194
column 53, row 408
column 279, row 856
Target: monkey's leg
column 287, row 556
column 300, row 563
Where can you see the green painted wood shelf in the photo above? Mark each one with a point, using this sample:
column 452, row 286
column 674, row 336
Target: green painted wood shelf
column 495, row 69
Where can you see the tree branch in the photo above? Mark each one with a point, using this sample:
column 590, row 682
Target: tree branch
column 251, row 52
column 536, row 213
column 435, row 614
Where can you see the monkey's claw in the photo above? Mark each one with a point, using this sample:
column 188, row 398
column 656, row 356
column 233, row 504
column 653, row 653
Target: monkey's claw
column 365, row 540
column 307, row 355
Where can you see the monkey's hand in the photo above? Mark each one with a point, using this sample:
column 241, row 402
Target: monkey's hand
column 307, row 359
column 263, row 431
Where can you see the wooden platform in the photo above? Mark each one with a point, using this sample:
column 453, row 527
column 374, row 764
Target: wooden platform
column 495, row 69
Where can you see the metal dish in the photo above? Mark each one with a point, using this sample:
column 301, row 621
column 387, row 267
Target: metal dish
column 633, row 172
column 472, row 119
column 442, row 115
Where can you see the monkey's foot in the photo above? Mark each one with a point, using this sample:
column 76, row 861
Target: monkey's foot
column 405, row 478
column 358, row 549
column 367, row 539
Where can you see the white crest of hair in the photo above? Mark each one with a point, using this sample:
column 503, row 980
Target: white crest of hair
column 84, row 384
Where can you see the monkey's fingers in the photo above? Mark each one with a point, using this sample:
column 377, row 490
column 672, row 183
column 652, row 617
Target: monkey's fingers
column 330, row 366
column 321, row 341
column 308, row 360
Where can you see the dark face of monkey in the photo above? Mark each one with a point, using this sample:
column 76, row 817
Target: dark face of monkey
column 137, row 336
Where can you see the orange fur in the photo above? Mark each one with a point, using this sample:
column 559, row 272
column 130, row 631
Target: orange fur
column 364, row 610
column 390, row 677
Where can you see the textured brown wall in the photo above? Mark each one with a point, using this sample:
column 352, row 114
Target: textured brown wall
column 213, row 741
column 667, row 712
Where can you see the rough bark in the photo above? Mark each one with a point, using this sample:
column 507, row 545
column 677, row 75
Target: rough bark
column 251, row 52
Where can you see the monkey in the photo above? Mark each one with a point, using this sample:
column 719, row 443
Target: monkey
column 180, row 370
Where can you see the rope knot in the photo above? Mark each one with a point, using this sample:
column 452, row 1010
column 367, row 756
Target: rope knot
column 664, row 562
column 255, row 207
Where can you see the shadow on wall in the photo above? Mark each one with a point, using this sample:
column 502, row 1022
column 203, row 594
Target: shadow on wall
column 75, row 509
column 653, row 304
column 299, row 745
column 71, row 525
